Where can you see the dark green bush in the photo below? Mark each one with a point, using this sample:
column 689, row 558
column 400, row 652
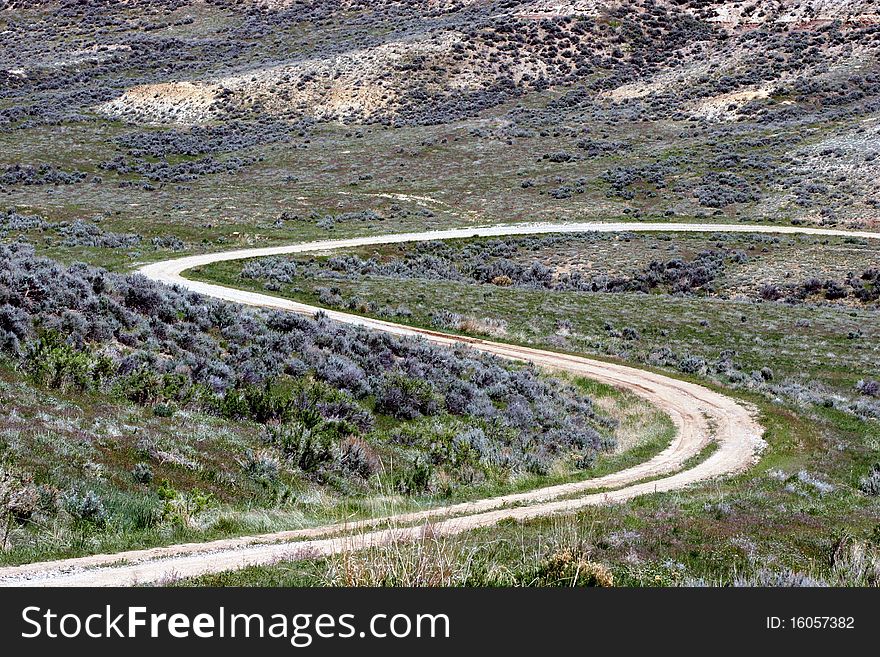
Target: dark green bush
column 308, row 448
column 407, row 398
column 53, row 363
column 413, row 479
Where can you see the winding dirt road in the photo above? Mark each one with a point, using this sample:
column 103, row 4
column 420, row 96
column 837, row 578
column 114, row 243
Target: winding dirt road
column 700, row 416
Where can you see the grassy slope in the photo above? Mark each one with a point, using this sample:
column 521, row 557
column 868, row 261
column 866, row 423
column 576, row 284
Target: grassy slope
column 801, row 344
column 91, row 441
column 738, row 528
column 778, row 516
column 476, row 178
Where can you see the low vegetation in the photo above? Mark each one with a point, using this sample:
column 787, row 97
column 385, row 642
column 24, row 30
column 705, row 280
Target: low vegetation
column 563, row 291
column 799, row 518
column 136, row 415
column 137, row 381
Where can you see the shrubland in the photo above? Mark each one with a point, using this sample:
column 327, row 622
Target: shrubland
column 590, row 293
column 135, row 414
column 308, row 405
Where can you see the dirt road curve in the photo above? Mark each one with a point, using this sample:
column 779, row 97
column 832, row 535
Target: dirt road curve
column 699, row 414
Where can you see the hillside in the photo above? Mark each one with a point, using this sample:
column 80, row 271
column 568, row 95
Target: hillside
column 679, row 198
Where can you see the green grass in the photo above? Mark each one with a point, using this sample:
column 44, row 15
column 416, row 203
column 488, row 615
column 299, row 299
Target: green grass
column 771, row 519
column 88, row 441
column 715, row 533
column 206, row 212
column 474, row 172
column 699, row 457
column 802, row 344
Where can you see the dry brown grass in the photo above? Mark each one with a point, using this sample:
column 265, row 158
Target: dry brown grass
column 486, row 326
column 562, row 557
column 432, row 561
column 639, row 421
